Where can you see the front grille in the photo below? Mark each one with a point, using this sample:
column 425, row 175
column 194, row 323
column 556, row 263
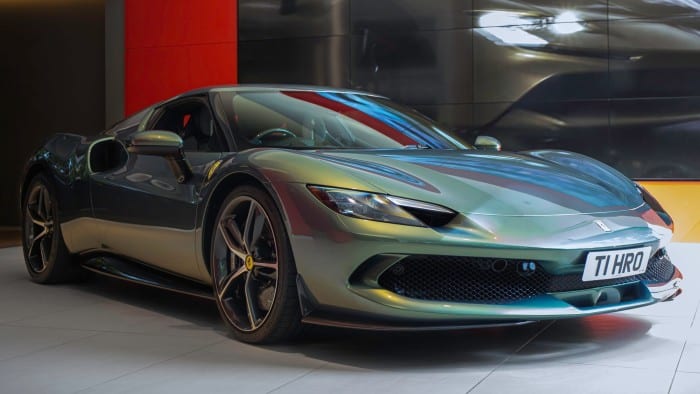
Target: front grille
column 659, row 269
column 491, row 281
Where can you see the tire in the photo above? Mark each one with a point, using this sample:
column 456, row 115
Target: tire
column 45, row 254
column 253, row 269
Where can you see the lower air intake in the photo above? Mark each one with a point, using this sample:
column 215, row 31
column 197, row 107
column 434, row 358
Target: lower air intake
column 493, row 281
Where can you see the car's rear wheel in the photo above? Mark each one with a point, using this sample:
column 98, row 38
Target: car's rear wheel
column 45, row 254
column 253, row 269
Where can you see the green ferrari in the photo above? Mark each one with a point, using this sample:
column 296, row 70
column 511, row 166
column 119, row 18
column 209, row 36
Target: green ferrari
column 291, row 205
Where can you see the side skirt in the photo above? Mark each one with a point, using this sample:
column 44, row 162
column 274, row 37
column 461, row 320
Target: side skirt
column 143, row 275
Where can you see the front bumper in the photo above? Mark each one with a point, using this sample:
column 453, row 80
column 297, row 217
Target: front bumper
column 329, row 249
column 669, row 290
column 406, row 314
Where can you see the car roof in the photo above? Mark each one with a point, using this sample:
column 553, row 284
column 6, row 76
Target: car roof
column 268, row 88
column 244, row 88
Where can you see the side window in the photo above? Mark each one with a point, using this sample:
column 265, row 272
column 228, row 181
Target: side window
column 193, row 122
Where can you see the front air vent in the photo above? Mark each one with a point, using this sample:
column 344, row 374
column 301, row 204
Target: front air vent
column 431, row 218
column 430, row 214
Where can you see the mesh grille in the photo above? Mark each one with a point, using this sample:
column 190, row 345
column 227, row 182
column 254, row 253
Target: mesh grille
column 490, row 281
column 659, row 269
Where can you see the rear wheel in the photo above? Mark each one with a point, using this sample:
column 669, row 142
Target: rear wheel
column 253, row 269
column 45, row 254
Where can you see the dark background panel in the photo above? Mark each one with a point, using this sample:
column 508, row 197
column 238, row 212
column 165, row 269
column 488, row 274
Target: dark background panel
column 507, row 71
column 458, row 117
column 429, row 67
column 657, row 137
column 654, row 58
column 114, row 61
column 486, row 113
column 580, row 126
column 312, row 61
column 658, row 9
column 268, row 19
column 52, row 75
column 404, row 16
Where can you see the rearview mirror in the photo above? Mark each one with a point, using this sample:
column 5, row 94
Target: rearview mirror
column 484, row 142
column 166, row 144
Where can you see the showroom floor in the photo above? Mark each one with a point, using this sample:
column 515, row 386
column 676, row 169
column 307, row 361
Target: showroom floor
column 107, row 336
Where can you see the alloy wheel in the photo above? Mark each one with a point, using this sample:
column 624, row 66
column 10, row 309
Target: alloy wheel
column 246, row 263
column 39, row 227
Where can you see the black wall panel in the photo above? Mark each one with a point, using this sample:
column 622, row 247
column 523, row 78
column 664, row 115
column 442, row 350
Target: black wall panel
column 458, row 117
column 271, row 19
column 657, row 9
column 52, row 75
column 616, row 79
column 428, row 67
column 392, row 16
column 311, row 61
column 655, row 58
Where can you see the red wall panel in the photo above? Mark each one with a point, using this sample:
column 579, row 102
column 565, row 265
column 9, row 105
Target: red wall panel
column 176, row 45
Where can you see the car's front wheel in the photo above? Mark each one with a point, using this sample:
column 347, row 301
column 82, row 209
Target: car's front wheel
column 253, row 269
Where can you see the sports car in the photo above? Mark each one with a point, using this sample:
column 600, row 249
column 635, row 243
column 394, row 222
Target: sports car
column 291, row 205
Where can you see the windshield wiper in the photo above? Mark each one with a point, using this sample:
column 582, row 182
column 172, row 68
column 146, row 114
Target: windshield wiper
column 416, row 146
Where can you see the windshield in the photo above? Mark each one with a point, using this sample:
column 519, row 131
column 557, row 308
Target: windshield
column 329, row 120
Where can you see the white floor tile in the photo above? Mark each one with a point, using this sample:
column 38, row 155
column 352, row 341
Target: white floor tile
column 686, row 383
column 612, row 340
column 352, row 382
column 227, row 366
column 690, row 362
column 18, row 341
column 557, row 378
column 23, row 299
column 86, row 362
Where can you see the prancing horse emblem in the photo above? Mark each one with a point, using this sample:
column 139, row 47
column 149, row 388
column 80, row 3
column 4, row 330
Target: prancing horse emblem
column 602, row 226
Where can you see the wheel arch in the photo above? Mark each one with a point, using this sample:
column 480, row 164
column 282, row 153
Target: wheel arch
column 33, row 170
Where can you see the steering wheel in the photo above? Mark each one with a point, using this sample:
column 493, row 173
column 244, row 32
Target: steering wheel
column 275, row 133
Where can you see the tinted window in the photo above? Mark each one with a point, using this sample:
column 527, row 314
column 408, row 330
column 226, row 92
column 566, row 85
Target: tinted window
column 193, row 122
column 311, row 119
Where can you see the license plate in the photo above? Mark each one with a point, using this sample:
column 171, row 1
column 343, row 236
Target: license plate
column 616, row 263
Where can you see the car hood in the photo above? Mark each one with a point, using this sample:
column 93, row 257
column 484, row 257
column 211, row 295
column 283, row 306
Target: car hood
column 490, row 183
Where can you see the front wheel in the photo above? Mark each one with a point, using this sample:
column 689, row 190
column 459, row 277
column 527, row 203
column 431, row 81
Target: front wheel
column 253, row 269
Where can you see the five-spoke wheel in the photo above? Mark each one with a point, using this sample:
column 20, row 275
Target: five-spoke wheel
column 39, row 220
column 45, row 254
column 252, row 268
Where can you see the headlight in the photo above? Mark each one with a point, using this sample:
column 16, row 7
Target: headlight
column 381, row 207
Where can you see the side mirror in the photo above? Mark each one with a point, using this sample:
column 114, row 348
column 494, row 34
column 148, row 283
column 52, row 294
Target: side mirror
column 156, row 143
column 166, row 144
column 485, row 142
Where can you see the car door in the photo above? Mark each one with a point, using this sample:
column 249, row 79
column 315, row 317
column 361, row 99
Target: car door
column 143, row 212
